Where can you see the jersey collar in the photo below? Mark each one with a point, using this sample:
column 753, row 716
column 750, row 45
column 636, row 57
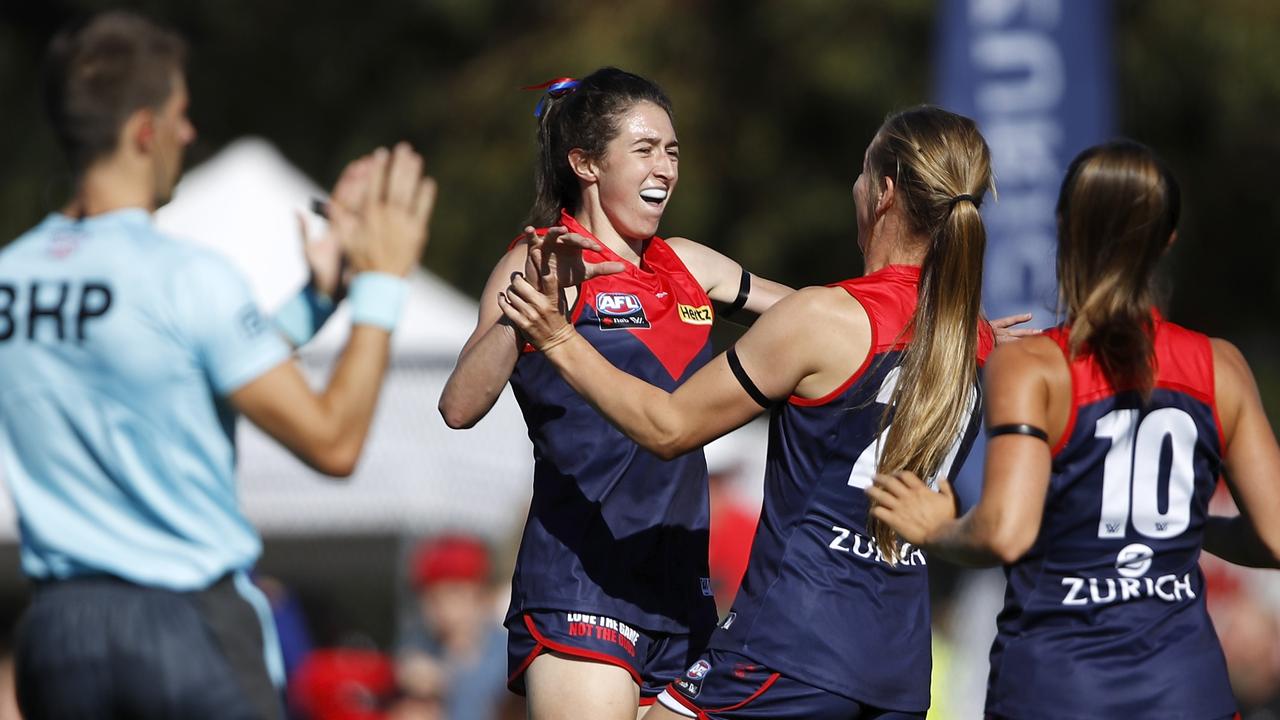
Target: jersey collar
column 904, row 271
column 570, row 222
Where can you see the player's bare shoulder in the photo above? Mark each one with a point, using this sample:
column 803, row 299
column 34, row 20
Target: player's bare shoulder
column 1039, row 354
column 1233, row 383
column 845, row 327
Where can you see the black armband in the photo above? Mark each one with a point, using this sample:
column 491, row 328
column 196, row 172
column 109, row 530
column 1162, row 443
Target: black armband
column 744, row 289
column 735, row 366
column 1018, row 429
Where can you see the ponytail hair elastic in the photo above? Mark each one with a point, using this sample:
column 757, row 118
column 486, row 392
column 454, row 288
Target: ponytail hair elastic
column 977, row 202
column 552, row 89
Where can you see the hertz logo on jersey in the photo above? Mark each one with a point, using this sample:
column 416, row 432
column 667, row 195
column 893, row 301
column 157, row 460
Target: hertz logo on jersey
column 696, row 315
column 620, row 311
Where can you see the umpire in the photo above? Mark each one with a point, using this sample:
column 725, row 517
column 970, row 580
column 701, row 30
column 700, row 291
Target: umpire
column 125, row 357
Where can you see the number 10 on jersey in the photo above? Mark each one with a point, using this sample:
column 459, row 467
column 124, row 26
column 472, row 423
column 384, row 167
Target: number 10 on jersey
column 1130, row 475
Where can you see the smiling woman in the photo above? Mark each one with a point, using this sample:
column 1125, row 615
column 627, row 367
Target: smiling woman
column 611, row 597
column 871, row 370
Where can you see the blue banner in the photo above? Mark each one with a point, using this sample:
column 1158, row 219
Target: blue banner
column 1037, row 77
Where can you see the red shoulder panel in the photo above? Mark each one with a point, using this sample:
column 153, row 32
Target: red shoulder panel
column 1184, row 363
column 889, row 297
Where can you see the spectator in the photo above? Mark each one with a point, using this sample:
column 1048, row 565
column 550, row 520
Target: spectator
column 461, row 655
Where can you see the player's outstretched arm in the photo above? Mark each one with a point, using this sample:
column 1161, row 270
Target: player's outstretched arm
column 383, row 241
column 722, row 278
column 772, row 360
column 1252, row 461
column 1005, row 522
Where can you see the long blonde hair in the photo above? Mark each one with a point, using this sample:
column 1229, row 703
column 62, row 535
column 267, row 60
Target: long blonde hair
column 941, row 167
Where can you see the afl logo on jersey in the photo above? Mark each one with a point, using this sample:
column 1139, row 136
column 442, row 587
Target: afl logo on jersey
column 620, row 311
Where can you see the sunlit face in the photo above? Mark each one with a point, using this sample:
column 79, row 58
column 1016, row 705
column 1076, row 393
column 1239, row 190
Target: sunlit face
column 173, row 133
column 638, row 173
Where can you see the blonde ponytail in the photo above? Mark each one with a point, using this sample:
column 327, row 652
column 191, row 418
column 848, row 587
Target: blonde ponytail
column 942, row 169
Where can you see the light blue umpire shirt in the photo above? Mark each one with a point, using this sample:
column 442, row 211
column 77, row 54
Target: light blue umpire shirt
column 118, row 349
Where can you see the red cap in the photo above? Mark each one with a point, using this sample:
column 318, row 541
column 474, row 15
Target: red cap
column 450, row 557
column 343, row 684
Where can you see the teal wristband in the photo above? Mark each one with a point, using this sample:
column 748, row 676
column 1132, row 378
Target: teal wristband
column 303, row 316
column 376, row 299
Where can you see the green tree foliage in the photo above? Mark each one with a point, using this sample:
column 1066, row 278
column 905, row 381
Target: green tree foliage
column 775, row 103
column 1200, row 83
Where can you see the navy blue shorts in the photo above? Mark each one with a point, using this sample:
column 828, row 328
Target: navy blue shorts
column 653, row 659
column 103, row 648
column 727, row 686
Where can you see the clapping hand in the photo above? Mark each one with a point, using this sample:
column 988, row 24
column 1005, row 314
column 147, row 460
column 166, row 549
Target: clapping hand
column 534, row 301
column 385, row 230
column 324, row 252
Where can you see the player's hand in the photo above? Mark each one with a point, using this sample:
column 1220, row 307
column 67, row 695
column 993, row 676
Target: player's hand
column 1005, row 332
column 323, row 252
column 559, row 253
column 905, row 503
column 324, row 259
column 536, row 311
column 387, row 232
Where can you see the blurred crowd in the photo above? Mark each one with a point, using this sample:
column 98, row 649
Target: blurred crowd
column 449, row 661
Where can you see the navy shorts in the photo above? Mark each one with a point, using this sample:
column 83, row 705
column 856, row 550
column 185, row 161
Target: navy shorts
column 103, row 648
column 653, row 659
column 723, row 685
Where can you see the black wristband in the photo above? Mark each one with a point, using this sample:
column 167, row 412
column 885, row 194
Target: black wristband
column 735, row 366
column 744, row 289
column 1018, row 429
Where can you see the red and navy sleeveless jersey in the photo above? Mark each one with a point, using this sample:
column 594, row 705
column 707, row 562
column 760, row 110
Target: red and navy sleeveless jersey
column 1105, row 615
column 818, row 603
column 613, row 529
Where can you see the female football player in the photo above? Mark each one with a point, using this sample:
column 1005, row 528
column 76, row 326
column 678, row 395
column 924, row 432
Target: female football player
column 611, row 597
column 1108, row 435
column 832, row 619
